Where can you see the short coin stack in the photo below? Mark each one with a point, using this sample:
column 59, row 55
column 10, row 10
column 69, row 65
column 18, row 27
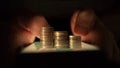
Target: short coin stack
column 47, row 37
column 74, row 41
column 61, row 39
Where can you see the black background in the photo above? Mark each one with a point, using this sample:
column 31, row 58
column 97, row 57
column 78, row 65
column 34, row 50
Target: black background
column 59, row 12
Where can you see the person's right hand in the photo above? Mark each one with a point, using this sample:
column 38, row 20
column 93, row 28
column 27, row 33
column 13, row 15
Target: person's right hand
column 86, row 24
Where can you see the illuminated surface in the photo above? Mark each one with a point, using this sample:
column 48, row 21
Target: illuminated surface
column 36, row 48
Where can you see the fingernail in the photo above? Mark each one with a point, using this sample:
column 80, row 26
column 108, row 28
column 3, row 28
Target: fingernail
column 84, row 22
column 80, row 29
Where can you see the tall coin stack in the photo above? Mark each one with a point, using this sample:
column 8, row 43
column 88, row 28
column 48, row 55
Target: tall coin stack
column 47, row 37
column 74, row 41
column 61, row 39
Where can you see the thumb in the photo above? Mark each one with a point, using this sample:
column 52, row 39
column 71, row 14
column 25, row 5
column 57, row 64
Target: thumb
column 82, row 22
column 88, row 26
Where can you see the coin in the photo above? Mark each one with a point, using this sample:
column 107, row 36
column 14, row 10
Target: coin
column 46, row 34
column 47, row 29
column 74, row 41
column 61, row 38
column 60, row 33
column 47, row 44
column 61, row 44
column 46, row 37
column 77, row 38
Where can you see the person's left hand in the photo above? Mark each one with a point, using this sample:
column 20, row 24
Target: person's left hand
column 87, row 25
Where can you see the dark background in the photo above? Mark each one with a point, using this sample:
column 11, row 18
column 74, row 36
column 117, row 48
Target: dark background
column 59, row 12
column 60, row 8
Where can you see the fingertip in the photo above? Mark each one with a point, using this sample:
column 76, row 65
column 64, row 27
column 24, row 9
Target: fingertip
column 82, row 21
column 81, row 30
column 73, row 20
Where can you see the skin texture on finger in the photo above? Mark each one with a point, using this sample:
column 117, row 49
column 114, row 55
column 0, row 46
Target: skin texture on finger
column 24, row 27
column 19, row 31
column 84, row 20
column 26, row 31
column 38, row 23
column 97, row 34
column 19, row 35
column 84, row 26
column 35, row 25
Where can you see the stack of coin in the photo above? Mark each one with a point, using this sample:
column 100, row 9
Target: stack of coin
column 47, row 37
column 74, row 41
column 61, row 39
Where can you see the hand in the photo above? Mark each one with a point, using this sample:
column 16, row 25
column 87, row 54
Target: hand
column 18, row 32
column 25, row 31
column 86, row 24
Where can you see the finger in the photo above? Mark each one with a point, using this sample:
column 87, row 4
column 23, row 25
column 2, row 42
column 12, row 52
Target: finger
column 82, row 21
column 36, row 25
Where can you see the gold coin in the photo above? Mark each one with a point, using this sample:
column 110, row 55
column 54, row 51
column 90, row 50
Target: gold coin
column 60, row 33
column 61, row 38
column 46, row 34
column 47, row 28
column 72, row 37
column 61, row 46
column 61, row 41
